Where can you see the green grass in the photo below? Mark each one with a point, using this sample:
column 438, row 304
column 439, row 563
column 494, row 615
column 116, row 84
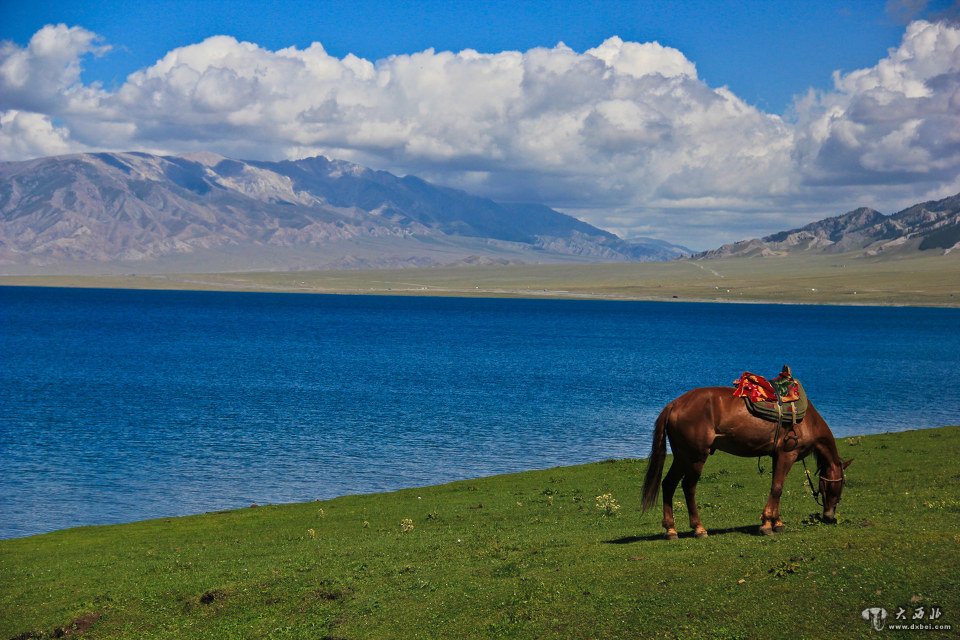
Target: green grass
column 917, row 279
column 527, row 555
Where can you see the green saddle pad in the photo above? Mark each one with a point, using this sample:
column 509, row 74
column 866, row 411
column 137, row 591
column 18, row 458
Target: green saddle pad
column 768, row 410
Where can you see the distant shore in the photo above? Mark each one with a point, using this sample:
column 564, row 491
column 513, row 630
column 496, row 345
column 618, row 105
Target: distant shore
column 923, row 280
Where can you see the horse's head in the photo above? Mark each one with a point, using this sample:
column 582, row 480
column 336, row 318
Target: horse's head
column 832, row 480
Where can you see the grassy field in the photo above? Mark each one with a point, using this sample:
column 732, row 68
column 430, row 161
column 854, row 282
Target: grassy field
column 922, row 279
column 528, row 555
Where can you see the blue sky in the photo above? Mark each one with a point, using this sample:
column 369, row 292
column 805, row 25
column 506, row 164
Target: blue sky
column 694, row 122
column 766, row 52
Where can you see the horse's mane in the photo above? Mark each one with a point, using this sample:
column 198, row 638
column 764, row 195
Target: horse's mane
column 823, row 457
column 822, row 461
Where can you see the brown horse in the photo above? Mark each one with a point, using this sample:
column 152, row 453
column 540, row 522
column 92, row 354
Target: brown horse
column 703, row 420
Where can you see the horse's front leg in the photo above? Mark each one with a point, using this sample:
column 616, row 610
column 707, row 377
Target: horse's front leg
column 770, row 521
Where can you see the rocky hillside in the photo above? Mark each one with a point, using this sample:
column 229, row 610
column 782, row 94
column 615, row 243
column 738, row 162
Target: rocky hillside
column 929, row 226
column 141, row 212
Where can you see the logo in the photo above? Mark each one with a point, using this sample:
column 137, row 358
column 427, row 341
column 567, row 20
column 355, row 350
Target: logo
column 924, row 617
column 876, row 616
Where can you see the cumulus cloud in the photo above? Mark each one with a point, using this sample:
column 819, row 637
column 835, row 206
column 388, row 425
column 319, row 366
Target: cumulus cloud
column 44, row 76
column 624, row 134
column 894, row 124
column 30, row 135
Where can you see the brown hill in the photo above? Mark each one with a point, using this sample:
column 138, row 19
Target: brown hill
column 929, row 226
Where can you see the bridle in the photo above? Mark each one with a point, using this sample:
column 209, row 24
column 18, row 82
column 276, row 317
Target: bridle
column 816, row 493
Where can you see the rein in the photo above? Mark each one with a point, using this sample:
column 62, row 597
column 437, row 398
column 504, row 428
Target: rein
column 816, row 493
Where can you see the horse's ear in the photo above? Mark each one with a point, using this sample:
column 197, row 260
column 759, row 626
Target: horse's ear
column 847, row 463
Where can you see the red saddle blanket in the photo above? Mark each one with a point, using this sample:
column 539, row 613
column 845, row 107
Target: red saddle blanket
column 781, row 400
column 756, row 388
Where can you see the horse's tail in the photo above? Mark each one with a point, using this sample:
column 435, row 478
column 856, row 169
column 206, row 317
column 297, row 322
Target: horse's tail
column 658, row 453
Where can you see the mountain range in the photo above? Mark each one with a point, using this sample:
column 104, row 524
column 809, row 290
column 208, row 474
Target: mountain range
column 928, row 226
column 108, row 212
column 123, row 212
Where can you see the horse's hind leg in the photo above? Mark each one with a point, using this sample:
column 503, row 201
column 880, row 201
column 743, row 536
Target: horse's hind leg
column 670, row 482
column 690, row 480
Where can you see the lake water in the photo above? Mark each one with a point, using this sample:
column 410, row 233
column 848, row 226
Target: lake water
column 123, row 405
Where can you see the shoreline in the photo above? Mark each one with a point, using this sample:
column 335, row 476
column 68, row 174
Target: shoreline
column 170, row 282
column 428, row 487
column 918, row 280
column 481, row 295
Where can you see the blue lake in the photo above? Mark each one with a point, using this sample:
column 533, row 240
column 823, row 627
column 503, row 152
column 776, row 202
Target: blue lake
column 123, row 405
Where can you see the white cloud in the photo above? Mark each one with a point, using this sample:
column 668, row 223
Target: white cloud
column 640, row 60
column 30, row 135
column 897, row 122
column 615, row 125
column 624, row 134
column 44, row 76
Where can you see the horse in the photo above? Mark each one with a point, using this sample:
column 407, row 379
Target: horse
column 707, row 419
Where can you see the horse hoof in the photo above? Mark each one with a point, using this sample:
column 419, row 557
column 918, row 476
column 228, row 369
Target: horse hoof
column 779, row 527
column 766, row 530
column 701, row 533
column 672, row 534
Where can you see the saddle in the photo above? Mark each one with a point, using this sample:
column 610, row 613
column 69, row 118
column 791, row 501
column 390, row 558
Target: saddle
column 781, row 400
